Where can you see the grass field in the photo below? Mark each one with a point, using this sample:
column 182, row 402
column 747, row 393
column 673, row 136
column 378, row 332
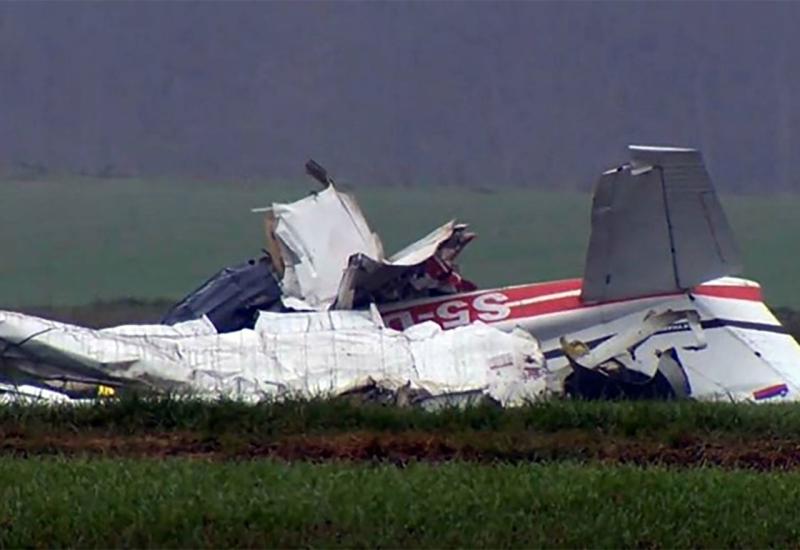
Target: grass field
column 102, row 503
column 74, row 241
column 153, row 473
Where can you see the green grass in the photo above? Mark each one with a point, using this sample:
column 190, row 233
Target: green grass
column 74, row 241
column 99, row 502
column 102, row 503
column 630, row 419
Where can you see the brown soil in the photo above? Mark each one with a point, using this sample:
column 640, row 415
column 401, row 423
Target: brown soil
column 138, row 445
column 686, row 451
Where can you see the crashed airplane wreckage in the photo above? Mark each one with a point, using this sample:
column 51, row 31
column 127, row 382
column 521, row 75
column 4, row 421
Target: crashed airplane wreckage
column 326, row 312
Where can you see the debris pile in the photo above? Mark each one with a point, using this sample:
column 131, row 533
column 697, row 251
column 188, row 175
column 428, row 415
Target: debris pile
column 322, row 255
column 326, row 313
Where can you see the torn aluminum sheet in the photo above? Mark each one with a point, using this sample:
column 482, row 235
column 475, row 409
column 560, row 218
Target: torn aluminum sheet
column 312, row 354
column 424, row 268
column 326, row 255
column 613, row 369
column 314, row 238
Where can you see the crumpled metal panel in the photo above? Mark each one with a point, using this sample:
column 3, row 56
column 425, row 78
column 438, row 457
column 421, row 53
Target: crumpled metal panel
column 316, row 236
column 618, row 368
column 424, row 268
column 329, row 258
column 314, row 354
column 231, row 298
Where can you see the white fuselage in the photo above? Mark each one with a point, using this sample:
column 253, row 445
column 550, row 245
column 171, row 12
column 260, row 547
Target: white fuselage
column 745, row 345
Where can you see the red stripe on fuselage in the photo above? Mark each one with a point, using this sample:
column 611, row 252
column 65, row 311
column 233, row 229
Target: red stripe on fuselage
column 513, row 293
column 502, row 304
column 737, row 292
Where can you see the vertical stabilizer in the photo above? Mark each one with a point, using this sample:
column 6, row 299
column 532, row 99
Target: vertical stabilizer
column 657, row 227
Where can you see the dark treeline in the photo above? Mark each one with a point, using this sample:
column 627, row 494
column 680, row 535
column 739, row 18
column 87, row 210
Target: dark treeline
column 397, row 93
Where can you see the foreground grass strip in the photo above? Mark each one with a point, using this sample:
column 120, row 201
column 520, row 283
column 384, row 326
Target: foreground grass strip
column 196, row 504
column 664, row 420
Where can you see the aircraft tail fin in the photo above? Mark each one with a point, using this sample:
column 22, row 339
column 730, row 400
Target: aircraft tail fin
column 657, row 227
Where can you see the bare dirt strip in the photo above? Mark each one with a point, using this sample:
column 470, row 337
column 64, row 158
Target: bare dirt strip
column 402, row 448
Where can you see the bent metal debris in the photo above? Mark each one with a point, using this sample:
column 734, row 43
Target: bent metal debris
column 658, row 313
